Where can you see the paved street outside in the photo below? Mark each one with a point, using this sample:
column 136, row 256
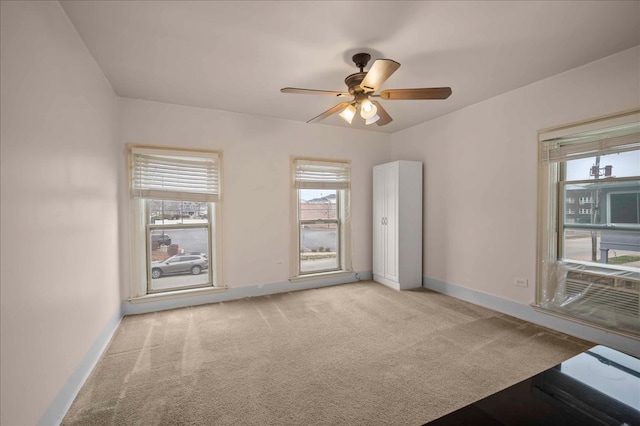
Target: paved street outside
column 314, row 238
column 580, row 249
column 173, row 281
column 189, row 240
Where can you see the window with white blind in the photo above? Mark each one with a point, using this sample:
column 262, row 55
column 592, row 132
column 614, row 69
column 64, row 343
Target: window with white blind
column 175, row 196
column 589, row 263
column 320, row 238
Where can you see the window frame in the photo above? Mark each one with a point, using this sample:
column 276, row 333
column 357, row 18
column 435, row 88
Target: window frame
column 551, row 180
column 141, row 228
column 342, row 221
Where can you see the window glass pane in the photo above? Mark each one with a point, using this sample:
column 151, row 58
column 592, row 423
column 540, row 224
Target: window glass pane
column 577, row 245
column 318, row 247
column 163, row 212
column 609, row 246
column 178, row 244
column 317, row 204
column 602, row 202
column 319, row 230
column 179, row 258
column 625, row 164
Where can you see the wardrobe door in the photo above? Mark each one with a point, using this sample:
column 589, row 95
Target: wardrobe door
column 391, row 222
column 378, row 220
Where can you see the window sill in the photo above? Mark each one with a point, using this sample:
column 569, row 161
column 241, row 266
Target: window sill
column 309, row 277
column 177, row 294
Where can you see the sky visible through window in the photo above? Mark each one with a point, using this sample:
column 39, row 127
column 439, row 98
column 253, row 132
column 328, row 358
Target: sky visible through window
column 624, row 164
column 310, row 194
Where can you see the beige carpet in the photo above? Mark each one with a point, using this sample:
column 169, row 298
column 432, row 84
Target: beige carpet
column 355, row 354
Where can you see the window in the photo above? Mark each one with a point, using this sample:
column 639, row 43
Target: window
column 624, row 208
column 589, row 263
column 175, row 196
column 585, row 200
column 321, row 192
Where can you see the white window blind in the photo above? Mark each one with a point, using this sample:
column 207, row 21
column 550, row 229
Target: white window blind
column 589, row 144
column 175, row 175
column 313, row 174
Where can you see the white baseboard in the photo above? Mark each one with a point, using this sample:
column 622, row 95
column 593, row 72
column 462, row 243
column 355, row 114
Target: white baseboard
column 529, row 313
column 61, row 403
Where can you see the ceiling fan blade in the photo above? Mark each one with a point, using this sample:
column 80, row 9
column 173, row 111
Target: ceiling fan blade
column 385, row 118
column 329, row 112
column 425, row 93
column 313, row 92
column 379, row 72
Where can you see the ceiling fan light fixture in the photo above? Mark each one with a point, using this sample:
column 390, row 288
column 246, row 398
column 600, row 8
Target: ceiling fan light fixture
column 367, row 109
column 372, row 120
column 348, row 113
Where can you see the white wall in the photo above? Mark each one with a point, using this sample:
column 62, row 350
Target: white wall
column 481, row 172
column 256, row 157
column 59, row 158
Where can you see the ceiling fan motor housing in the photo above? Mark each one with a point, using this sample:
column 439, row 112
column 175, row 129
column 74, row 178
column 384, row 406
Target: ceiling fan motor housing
column 353, row 82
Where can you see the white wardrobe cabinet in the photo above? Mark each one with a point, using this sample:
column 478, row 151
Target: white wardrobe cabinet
column 397, row 224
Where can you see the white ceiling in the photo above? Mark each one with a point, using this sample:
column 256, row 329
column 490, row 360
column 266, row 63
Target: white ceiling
column 235, row 56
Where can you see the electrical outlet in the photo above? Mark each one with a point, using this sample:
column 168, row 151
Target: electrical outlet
column 521, row 282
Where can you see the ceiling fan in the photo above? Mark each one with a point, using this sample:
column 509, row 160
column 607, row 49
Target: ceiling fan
column 362, row 85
